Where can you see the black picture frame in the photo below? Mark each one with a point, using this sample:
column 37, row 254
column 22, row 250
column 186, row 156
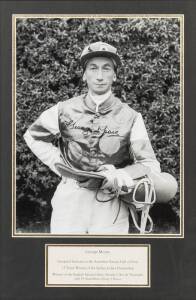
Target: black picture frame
column 173, row 261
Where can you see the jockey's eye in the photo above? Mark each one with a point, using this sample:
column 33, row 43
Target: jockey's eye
column 93, row 67
column 107, row 68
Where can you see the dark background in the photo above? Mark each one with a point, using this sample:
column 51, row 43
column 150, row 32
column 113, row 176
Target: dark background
column 48, row 71
column 22, row 259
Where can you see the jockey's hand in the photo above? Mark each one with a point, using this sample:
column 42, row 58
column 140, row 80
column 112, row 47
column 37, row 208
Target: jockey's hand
column 116, row 179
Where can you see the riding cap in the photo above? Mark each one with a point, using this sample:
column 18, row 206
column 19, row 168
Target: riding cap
column 100, row 49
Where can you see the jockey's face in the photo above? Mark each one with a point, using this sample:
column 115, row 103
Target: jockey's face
column 99, row 75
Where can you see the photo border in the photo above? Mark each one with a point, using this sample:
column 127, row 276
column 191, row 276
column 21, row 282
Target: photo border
column 98, row 16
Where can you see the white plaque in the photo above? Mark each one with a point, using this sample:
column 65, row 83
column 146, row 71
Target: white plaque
column 98, row 265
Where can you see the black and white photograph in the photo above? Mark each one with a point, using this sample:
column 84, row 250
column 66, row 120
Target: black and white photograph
column 98, row 114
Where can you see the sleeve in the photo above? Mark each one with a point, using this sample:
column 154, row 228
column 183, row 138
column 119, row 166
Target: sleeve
column 39, row 136
column 141, row 150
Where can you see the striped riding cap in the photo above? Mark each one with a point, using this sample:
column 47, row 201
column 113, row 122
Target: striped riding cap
column 100, row 49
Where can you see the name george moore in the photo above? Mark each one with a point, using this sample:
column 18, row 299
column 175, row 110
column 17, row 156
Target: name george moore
column 100, row 251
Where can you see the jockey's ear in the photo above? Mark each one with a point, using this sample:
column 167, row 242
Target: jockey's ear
column 84, row 77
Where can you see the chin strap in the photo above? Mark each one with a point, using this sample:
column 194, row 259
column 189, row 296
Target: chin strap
column 143, row 206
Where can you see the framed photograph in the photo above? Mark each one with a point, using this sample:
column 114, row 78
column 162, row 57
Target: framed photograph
column 97, row 156
column 48, row 70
